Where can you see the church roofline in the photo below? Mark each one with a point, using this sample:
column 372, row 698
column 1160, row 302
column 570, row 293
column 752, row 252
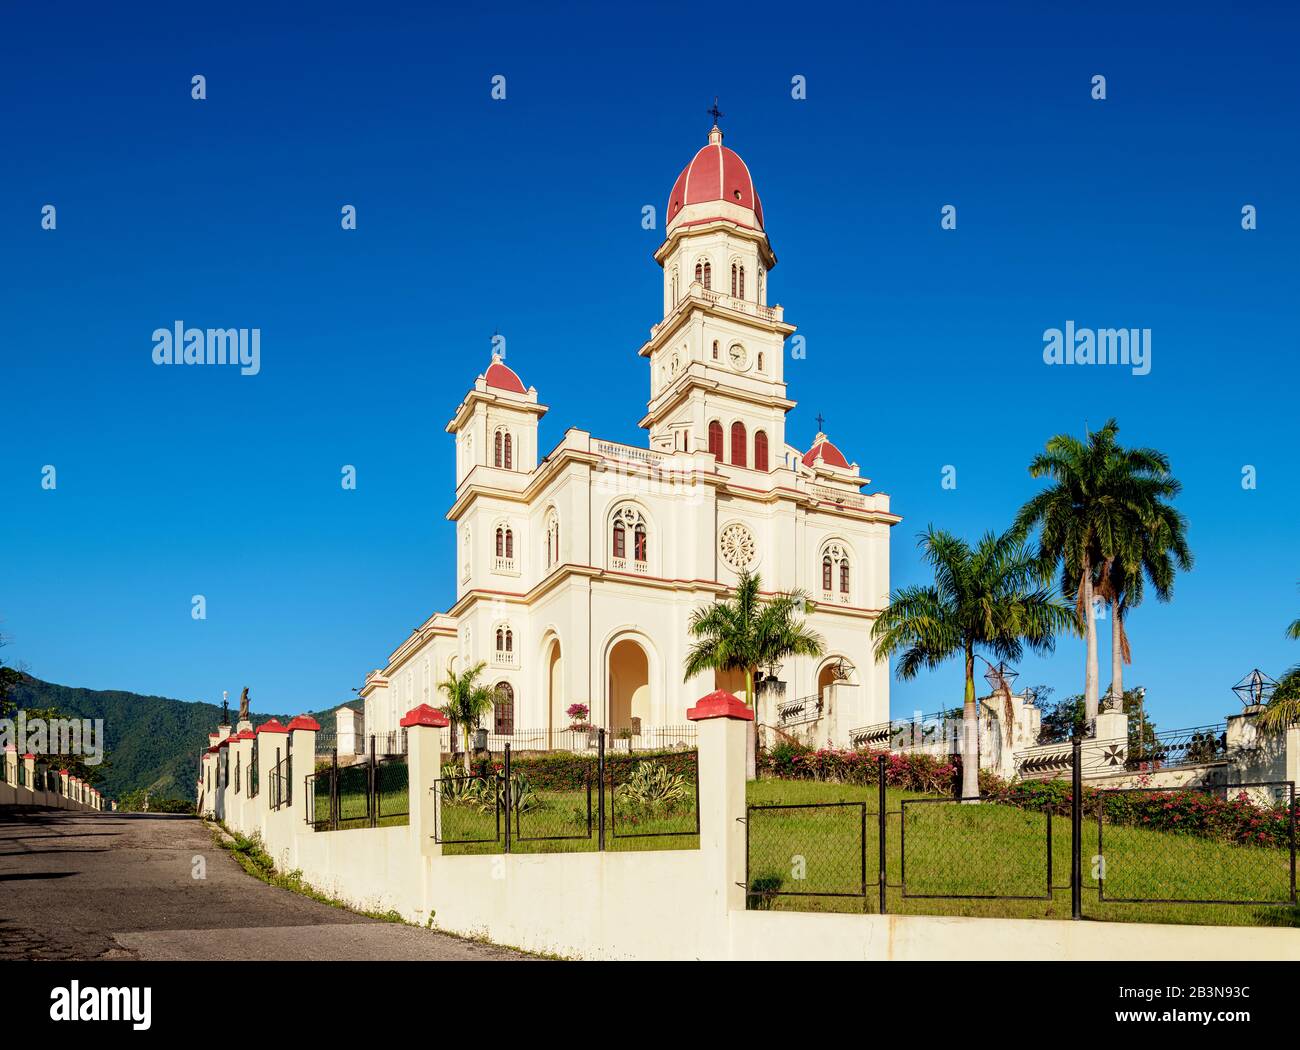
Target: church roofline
column 493, row 396
column 695, row 227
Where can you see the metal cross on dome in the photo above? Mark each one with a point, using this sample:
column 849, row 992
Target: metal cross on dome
column 820, row 421
column 1255, row 689
column 714, row 111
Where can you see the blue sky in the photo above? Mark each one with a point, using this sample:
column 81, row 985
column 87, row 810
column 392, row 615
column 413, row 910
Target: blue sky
column 924, row 345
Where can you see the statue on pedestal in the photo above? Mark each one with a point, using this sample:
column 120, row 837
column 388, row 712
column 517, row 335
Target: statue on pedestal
column 243, row 705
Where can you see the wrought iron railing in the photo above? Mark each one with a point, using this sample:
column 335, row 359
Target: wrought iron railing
column 941, row 728
column 801, row 711
column 1178, row 747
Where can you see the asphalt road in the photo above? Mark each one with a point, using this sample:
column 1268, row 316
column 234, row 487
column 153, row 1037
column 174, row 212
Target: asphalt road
column 81, row 886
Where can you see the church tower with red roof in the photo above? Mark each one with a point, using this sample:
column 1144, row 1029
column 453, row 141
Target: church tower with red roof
column 716, row 363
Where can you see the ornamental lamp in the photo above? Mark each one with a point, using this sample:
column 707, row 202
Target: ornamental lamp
column 1255, row 690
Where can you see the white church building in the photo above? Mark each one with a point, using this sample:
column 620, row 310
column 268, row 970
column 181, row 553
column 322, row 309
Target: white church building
column 577, row 570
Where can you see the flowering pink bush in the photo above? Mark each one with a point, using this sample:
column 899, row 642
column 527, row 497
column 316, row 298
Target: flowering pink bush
column 1231, row 819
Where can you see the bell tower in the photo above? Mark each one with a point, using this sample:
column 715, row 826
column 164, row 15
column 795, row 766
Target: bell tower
column 717, row 358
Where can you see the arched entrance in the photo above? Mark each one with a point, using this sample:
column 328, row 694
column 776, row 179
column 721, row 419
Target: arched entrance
column 629, row 685
column 556, row 718
column 825, row 677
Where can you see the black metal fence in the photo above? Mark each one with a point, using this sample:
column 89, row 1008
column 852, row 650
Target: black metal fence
column 386, row 744
column 648, row 799
column 1128, row 870
column 253, row 775
column 368, row 794
column 806, row 850
column 280, row 783
column 1117, row 853
column 626, row 797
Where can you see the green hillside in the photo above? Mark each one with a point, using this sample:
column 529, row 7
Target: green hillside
column 152, row 742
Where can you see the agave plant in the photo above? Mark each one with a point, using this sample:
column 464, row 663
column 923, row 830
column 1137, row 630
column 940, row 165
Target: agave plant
column 456, row 787
column 653, row 788
column 490, row 795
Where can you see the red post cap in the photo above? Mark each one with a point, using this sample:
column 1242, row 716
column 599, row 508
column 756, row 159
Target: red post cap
column 424, row 715
column 720, row 704
column 273, row 726
column 305, row 722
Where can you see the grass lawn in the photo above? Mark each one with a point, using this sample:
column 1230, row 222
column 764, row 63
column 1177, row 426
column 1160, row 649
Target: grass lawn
column 393, row 800
column 559, row 824
column 990, row 849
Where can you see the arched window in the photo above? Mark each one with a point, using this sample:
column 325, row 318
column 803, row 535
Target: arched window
column 703, row 273
column 505, row 546
column 760, row 450
column 738, row 456
column 715, row 349
column 496, row 454
column 503, row 710
column 715, row 438
column 630, row 529
column 737, row 281
column 760, row 361
column 835, row 565
column 505, row 640
column 509, row 458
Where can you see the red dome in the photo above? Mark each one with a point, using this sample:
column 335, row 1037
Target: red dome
column 503, row 378
column 716, row 173
column 823, row 451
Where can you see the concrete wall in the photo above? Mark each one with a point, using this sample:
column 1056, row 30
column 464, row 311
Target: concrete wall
column 72, row 793
column 671, row 904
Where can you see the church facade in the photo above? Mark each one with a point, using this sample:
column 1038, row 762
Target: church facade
column 577, row 570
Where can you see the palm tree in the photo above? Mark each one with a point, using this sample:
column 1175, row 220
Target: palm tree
column 989, row 598
column 1152, row 548
column 1100, row 493
column 744, row 633
column 467, row 701
column 1283, row 708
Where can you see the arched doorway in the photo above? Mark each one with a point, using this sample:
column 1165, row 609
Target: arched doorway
column 556, row 718
column 825, row 678
column 629, row 686
column 832, row 671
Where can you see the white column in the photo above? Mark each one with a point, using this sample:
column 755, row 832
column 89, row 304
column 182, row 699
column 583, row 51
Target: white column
column 424, row 726
column 724, row 724
column 302, row 734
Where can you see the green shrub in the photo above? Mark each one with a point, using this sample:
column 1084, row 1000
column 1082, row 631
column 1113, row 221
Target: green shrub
column 654, row 789
column 1235, row 819
column 566, row 771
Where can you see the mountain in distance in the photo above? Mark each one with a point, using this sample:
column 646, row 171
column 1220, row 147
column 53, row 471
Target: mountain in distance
column 151, row 742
